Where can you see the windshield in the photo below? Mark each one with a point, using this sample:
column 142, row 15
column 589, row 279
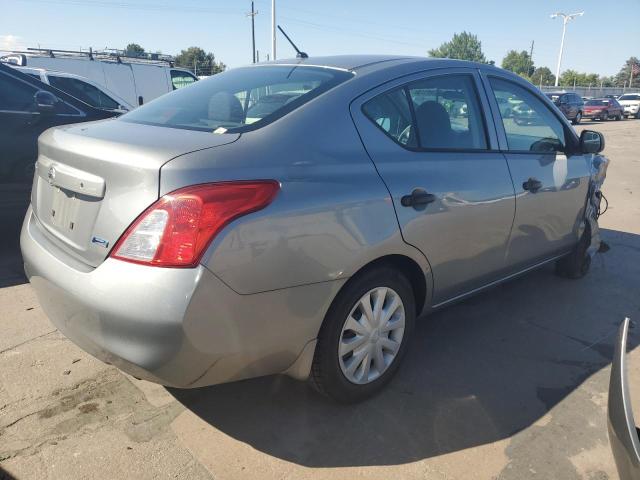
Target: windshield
column 238, row 100
column 597, row 103
column 629, row 97
column 554, row 97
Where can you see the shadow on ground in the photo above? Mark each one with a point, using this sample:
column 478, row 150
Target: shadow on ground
column 476, row 372
column 4, row 475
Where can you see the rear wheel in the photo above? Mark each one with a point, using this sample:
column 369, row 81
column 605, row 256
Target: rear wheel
column 364, row 336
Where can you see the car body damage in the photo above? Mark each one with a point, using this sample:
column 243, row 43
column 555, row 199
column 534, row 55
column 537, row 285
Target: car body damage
column 599, row 165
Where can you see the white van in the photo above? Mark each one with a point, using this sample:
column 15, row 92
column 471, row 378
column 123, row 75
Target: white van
column 136, row 80
column 80, row 87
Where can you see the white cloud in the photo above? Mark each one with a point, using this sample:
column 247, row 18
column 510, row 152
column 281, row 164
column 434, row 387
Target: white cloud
column 11, row 42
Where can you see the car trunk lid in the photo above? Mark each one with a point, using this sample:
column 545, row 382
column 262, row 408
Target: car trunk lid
column 92, row 180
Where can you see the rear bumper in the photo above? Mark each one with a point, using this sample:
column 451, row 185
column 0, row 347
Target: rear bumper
column 178, row 327
column 593, row 114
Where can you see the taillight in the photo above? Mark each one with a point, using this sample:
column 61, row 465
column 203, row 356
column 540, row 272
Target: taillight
column 177, row 229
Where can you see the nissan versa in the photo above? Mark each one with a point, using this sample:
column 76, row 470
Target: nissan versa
column 296, row 217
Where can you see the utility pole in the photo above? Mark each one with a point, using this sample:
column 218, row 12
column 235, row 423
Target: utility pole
column 273, row 29
column 565, row 19
column 529, row 72
column 253, row 14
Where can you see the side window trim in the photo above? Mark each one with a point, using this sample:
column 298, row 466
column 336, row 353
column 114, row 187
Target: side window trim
column 482, row 101
column 570, row 135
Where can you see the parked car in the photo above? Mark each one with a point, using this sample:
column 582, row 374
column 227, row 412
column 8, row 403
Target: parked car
column 603, row 109
column 611, row 96
column 81, row 88
column 28, row 107
column 137, row 80
column 623, row 432
column 190, row 247
column 631, row 104
column 570, row 104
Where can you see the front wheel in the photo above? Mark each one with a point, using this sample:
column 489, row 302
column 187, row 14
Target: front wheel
column 576, row 120
column 364, row 336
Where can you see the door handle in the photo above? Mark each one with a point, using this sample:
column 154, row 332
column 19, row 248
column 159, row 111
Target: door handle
column 532, row 185
column 418, row 198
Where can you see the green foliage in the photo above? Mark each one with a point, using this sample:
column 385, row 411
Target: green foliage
column 543, row 76
column 199, row 61
column 134, row 48
column 463, row 46
column 623, row 77
column 569, row 78
column 518, row 62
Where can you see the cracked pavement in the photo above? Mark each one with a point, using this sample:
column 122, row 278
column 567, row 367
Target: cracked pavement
column 510, row 384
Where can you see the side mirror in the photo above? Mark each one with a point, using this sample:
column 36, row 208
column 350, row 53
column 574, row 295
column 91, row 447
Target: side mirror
column 45, row 101
column 591, row 142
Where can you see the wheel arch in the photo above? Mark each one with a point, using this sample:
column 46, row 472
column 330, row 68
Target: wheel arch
column 404, row 264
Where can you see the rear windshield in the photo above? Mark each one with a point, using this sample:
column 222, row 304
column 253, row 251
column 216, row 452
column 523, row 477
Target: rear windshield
column 629, row 97
column 596, row 103
column 238, row 100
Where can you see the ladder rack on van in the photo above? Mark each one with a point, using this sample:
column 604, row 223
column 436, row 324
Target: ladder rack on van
column 106, row 54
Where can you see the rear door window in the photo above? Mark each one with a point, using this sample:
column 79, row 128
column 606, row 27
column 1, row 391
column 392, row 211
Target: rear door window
column 438, row 113
column 84, row 91
column 392, row 114
column 447, row 113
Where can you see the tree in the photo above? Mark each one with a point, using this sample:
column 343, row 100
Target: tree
column 518, row 62
column 463, row 46
column 623, row 77
column 569, row 78
column 543, row 76
column 134, row 49
column 199, row 61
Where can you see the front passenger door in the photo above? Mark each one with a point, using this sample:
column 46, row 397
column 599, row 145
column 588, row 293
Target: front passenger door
column 550, row 184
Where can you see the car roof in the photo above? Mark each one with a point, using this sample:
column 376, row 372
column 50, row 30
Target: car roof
column 374, row 63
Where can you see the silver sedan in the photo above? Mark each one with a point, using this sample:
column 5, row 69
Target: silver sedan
column 296, row 217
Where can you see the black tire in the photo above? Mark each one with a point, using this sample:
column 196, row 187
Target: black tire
column 577, row 263
column 576, row 120
column 326, row 375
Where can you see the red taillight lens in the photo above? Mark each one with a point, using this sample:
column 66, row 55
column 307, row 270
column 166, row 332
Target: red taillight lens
column 177, row 229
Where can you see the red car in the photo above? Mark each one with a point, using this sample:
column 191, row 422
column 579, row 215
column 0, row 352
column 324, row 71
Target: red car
column 603, row 109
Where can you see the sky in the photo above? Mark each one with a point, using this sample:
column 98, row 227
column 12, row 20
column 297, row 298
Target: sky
column 599, row 42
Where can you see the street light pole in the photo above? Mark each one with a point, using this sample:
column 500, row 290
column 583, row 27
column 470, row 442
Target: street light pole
column 565, row 19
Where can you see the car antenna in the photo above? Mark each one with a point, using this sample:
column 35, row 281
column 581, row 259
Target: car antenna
column 299, row 54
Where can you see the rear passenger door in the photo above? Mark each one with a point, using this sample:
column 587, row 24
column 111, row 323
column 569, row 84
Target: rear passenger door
column 550, row 182
column 429, row 139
